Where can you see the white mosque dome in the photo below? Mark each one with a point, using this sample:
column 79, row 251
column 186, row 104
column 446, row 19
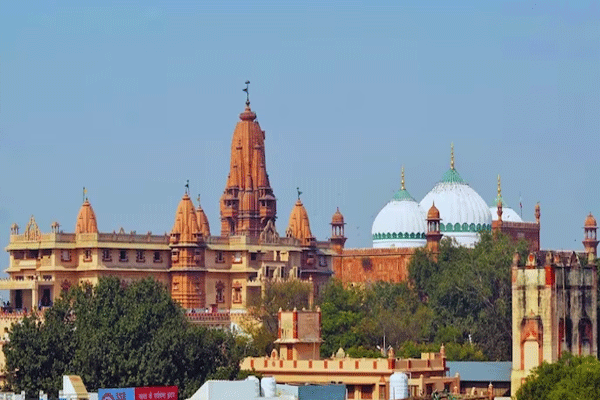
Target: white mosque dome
column 508, row 214
column 463, row 212
column 401, row 223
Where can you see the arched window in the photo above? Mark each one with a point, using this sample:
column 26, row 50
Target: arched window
column 220, row 292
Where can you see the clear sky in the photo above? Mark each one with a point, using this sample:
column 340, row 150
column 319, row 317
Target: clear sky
column 130, row 99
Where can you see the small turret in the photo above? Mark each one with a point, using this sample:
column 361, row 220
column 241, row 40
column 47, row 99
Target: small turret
column 434, row 234
column 590, row 240
column 337, row 231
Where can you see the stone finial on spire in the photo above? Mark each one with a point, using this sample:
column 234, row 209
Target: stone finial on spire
column 452, row 155
column 402, row 187
column 246, row 89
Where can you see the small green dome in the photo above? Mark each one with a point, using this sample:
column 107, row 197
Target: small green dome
column 452, row 176
column 401, row 195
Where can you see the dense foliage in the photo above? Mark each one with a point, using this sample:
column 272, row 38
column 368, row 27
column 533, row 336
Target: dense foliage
column 286, row 295
column 469, row 292
column 571, row 378
column 462, row 300
column 117, row 335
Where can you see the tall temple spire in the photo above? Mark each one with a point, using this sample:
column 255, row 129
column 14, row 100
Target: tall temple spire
column 248, row 203
column 452, row 156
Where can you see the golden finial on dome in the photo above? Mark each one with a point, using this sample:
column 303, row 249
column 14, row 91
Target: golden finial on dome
column 499, row 187
column 402, row 182
column 451, row 155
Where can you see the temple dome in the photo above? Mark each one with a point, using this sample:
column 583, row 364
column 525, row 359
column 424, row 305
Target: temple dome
column 186, row 228
column 464, row 212
column 590, row 221
column 400, row 223
column 86, row 219
column 433, row 213
column 299, row 226
column 337, row 218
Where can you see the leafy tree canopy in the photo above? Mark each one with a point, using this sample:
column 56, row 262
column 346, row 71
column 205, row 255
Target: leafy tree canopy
column 462, row 299
column 117, row 335
column 286, row 295
column 571, row 378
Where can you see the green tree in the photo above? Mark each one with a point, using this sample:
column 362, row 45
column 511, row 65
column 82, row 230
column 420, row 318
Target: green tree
column 342, row 312
column 40, row 350
column 469, row 291
column 117, row 335
column 285, row 295
column 571, row 377
column 395, row 315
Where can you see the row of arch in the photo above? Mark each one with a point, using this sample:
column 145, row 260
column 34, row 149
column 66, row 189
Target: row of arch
column 449, row 227
column 400, row 235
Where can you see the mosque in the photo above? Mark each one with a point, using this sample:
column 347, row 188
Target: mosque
column 452, row 208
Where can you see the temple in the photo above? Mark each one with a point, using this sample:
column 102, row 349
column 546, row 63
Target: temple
column 203, row 271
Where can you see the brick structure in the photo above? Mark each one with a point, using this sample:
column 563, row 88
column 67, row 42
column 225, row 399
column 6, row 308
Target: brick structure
column 384, row 264
column 510, row 223
column 554, row 298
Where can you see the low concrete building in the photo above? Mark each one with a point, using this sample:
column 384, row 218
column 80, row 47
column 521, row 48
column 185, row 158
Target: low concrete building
column 298, row 362
column 479, row 375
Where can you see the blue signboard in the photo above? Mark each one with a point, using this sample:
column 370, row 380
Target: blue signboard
column 116, row 394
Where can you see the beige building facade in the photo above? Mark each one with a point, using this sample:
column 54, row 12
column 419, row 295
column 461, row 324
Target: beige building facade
column 202, row 271
column 298, row 362
column 554, row 300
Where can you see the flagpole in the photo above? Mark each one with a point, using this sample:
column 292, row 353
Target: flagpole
column 521, row 204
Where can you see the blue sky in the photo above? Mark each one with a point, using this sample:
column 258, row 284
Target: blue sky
column 131, row 99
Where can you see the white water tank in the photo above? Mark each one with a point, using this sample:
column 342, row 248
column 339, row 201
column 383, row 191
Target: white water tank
column 268, row 386
column 398, row 386
column 256, row 382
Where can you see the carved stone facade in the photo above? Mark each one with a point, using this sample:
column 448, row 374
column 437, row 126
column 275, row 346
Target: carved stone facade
column 554, row 298
column 248, row 203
